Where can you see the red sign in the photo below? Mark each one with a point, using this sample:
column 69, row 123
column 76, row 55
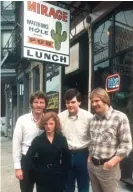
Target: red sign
column 112, row 83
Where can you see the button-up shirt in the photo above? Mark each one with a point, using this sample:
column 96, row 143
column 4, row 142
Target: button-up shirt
column 110, row 135
column 26, row 129
column 75, row 128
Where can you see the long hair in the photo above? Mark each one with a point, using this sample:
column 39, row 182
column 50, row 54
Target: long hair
column 102, row 94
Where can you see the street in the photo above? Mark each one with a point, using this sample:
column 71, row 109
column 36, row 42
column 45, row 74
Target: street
column 8, row 181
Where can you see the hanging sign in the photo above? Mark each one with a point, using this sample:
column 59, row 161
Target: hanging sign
column 46, row 32
column 112, row 83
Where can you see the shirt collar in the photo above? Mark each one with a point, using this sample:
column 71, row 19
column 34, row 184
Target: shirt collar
column 107, row 114
column 77, row 115
column 32, row 117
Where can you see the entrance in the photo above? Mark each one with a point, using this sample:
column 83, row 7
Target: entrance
column 79, row 78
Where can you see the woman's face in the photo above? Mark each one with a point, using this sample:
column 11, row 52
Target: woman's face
column 50, row 126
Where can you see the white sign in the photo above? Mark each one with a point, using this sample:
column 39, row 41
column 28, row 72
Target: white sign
column 74, row 59
column 46, row 32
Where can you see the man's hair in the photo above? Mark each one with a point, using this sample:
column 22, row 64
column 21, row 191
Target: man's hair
column 102, row 94
column 71, row 93
column 39, row 95
column 50, row 115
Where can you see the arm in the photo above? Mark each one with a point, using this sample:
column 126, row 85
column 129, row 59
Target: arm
column 66, row 162
column 17, row 144
column 89, row 146
column 66, row 156
column 125, row 143
column 31, row 153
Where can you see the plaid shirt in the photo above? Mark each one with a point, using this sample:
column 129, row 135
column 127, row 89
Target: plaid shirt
column 110, row 135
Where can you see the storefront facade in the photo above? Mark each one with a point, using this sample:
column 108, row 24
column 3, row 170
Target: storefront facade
column 113, row 54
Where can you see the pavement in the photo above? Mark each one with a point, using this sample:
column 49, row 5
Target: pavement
column 8, row 181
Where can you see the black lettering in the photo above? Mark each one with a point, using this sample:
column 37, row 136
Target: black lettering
column 38, row 55
column 55, row 57
column 28, row 53
column 38, row 24
column 30, row 22
column 36, row 30
column 63, row 58
column 46, row 56
column 31, row 29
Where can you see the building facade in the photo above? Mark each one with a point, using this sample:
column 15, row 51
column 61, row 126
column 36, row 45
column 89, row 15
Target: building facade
column 100, row 45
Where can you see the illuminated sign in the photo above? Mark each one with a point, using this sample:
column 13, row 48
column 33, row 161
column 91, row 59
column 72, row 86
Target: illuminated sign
column 112, row 83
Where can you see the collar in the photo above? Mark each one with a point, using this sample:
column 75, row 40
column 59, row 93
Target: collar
column 76, row 116
column 32, row 117
column 107, row 114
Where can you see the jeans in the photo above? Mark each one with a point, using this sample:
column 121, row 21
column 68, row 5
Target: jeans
column 79, row 172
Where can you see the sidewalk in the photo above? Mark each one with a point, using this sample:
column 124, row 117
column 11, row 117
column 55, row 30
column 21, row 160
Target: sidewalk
column 8, row 181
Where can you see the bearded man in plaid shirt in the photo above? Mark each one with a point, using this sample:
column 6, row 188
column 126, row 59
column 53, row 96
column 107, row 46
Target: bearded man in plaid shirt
column 110, row 143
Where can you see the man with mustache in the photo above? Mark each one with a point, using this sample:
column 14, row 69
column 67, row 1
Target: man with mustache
column 74, row 126
column 25, row 131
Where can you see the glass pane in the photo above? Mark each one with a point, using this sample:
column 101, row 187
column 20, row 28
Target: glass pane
column 123, row 30
column 7, row 5
column 101, row 71
column 5, row 37
column 102, row 41
column 123, row 100
column 52, row 86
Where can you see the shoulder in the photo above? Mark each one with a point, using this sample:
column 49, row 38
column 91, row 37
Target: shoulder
column 24, row 117
column 119, row 115
column 63, row 113
column 60, row 137
column 85, row 113
column 37, row 139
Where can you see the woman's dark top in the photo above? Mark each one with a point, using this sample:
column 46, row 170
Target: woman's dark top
column 46, row 159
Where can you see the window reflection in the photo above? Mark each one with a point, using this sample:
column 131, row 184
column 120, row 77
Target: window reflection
column 101, row 71
column 123, row 30
column 102, row 36
column 123, row 100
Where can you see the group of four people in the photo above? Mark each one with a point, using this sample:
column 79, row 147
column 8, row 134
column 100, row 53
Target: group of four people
column 54, row 151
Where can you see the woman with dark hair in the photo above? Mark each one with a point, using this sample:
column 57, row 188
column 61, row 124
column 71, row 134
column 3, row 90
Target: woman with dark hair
column 52, row 156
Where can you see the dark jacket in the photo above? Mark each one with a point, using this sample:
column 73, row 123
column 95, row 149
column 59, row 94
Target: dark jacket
column 46, row 159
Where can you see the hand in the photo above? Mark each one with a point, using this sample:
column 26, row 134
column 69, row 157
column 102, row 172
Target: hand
column 108, row 165
column 89, row 159
column 19, row 174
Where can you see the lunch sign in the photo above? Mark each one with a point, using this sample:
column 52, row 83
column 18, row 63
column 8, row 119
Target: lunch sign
column 46, row 32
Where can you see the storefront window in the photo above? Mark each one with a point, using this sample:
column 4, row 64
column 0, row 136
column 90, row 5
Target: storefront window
column 123, row 100
column 102, row 41
column 52, row 86
column 123, row 30
column 101, row 71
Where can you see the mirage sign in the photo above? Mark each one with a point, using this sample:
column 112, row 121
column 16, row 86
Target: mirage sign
column 46, row 32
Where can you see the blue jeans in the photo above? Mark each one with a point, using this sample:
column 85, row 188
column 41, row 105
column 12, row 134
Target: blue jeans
column 79, row 172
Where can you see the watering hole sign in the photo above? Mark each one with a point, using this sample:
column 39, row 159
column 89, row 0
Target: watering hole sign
column 112, row 83
column 46, row 32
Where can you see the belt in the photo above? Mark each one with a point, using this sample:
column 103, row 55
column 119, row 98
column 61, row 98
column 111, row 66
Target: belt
column 99, row 161
column 78, row 150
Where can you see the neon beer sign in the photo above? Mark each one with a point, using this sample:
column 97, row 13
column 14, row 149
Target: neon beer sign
column 112, row 83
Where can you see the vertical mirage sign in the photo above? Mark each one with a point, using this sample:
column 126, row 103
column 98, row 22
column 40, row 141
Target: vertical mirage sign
column 112, row 83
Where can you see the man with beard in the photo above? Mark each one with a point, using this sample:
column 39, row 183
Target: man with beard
column 110, row 143
column 74, row 126
column 25, row 131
